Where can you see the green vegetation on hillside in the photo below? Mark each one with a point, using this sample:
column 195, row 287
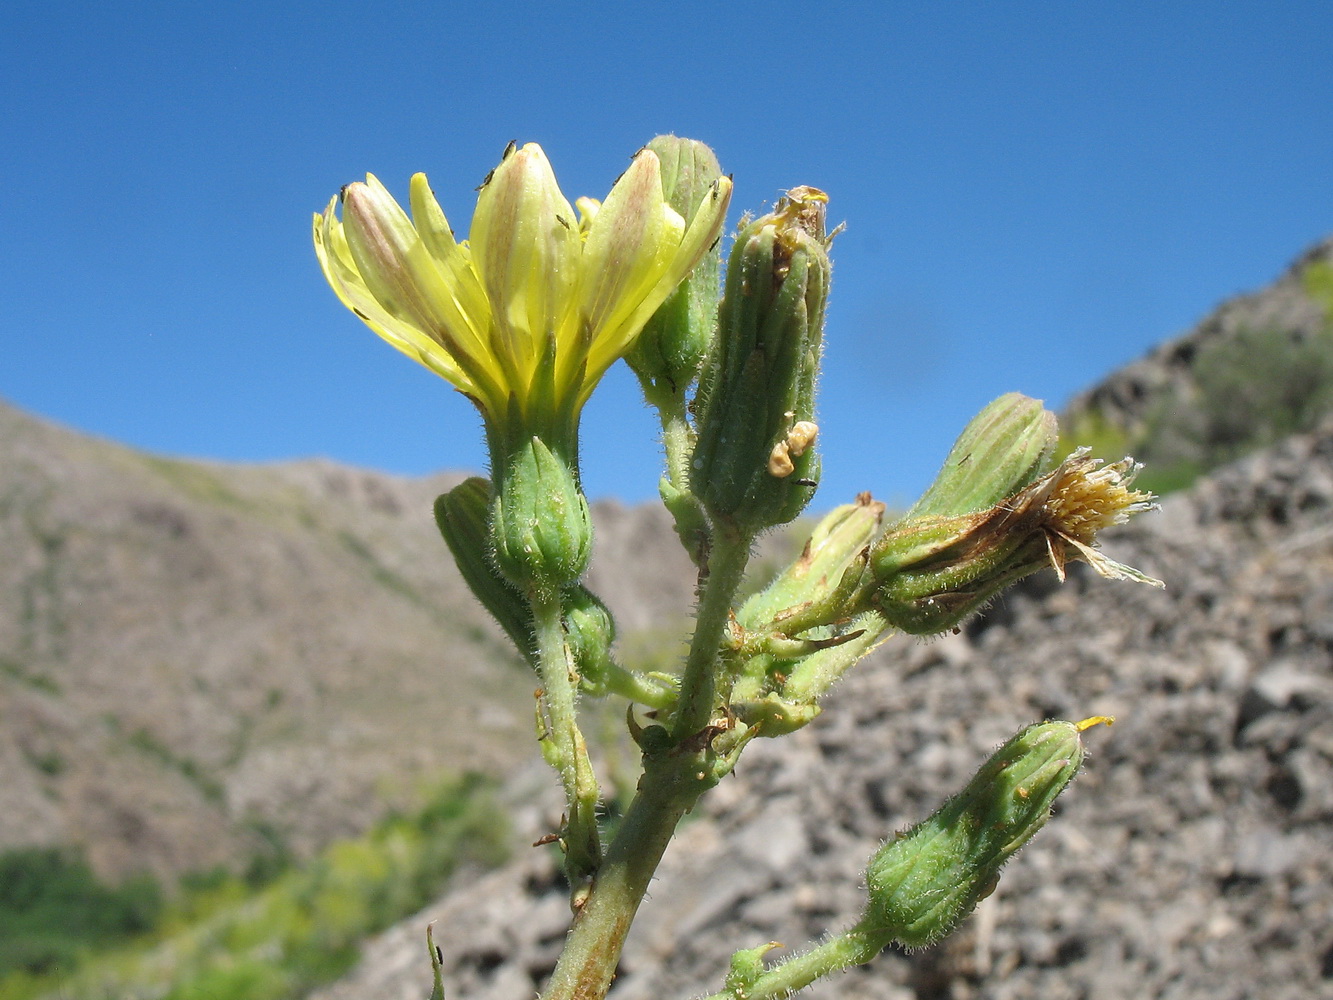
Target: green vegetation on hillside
column 1245, row 392
column 224, row 938
column 52, row 907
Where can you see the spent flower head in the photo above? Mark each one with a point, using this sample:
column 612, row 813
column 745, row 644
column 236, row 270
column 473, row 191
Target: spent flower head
column 1084, row 497
column 930, row 573
column 527, row 315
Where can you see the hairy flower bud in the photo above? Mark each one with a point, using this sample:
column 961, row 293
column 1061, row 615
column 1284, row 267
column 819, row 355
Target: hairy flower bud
column 1002, row 449
column 540, row 527
column 589, row 632
column 754, row 464
column 924, row 881
column 812, row 590
column 463, row 515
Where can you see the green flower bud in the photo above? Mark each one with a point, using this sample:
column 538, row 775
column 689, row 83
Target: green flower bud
column 929, row 573
column 589, row 632
column 671, row 347
column 1004, row 448
column 755, row 464
column 540, row 527
column 814, row 589
column 924, row 881
column 463, row 515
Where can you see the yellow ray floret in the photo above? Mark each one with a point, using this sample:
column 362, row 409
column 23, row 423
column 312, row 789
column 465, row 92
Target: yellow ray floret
column 540, row 301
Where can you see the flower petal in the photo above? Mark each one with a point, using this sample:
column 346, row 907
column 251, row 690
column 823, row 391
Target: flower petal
column 340, row 270
column 525, row 248
column 680, row 256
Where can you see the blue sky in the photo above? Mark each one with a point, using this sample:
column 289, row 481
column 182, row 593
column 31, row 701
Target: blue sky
column 1034, row 195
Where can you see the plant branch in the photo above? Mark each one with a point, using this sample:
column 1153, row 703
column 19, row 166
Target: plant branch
column 676, row 773
column 565, row 747
column 855, row 946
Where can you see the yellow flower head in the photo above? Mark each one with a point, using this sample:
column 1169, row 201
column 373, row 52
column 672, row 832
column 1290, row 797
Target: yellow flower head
column 527, row 315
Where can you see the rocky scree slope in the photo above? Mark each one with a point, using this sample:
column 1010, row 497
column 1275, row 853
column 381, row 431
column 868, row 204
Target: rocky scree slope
column 1190, row 860
column 200, row 661
column 1257, row 368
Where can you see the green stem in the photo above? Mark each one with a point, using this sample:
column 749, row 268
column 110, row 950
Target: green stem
column 566, row 750
column 678, row 442
column 856, row 946
column 670, row 785
column 639, row 688
column 698, row 684
column 677, row 435
column 678, row 439
column 674, row 777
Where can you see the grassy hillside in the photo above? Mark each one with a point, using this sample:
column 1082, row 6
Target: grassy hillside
column 267, row 936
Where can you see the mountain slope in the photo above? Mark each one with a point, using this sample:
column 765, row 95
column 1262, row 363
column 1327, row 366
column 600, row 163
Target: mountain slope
column 200, row 662
column 1257, row 368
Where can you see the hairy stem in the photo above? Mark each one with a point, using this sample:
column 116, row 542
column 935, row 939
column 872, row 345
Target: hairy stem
column 678, row 439
column 566, row 748
column 852, row 947
column 674, row 777
column 726, row 567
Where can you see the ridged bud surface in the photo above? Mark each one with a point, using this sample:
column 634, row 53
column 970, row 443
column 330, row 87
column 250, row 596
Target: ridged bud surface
column 755, row 464
column 540, row 526
column 811, row 591
column 925, row 880
column 1003, row 449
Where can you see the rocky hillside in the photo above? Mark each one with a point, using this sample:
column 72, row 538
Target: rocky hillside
column 1191, row 859
column 1259, row 367
column 201, row 662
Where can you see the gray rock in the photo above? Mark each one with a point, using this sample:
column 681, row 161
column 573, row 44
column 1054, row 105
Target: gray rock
column 1190, row 860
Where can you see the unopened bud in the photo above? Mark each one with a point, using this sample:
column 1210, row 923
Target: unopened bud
column 1002, row 449
column 589, row 632
column 540, row 525
column 924, row 881
column 754, row 464
column 462, row 516
column 810, row 591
